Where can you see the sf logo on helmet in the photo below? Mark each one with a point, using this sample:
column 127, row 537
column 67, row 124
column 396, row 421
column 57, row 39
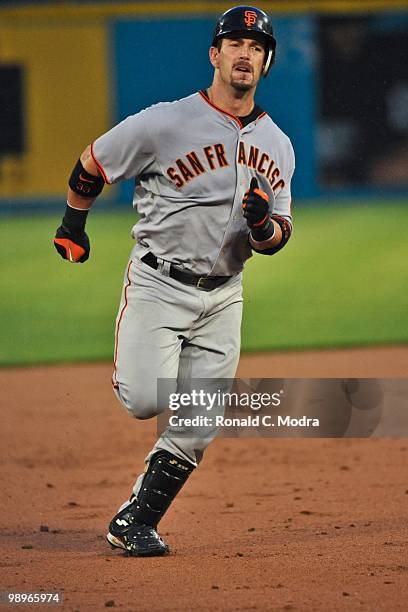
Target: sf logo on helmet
column 250, row 18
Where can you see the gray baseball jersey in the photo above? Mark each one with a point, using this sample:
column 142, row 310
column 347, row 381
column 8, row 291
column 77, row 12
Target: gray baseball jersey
column 193, row 163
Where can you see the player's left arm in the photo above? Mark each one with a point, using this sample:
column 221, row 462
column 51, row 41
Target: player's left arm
column 269, row 233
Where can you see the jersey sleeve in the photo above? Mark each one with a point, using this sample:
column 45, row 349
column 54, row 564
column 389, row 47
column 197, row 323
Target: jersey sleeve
column 283, row 201
column 126, row 151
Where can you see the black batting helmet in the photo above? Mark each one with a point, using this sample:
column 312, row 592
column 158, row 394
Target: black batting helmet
column 247, row 19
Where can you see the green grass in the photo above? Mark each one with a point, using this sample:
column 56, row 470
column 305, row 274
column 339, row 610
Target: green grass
column 342, row 280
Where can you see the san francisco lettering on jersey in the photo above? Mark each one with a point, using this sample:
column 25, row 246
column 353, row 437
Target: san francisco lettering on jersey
column 213, row 157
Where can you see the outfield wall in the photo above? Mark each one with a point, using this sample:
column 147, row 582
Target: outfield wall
column 77, row 69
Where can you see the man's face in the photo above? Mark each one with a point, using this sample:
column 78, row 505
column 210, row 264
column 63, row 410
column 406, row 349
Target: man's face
column 240, row 62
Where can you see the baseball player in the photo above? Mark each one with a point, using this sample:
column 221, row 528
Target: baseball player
column 212, row 174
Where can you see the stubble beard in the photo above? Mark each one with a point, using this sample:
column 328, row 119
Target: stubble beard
column 242, row 87
column 238, row 85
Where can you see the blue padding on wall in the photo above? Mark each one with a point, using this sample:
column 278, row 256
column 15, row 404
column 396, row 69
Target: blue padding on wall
column 166, row 60
column 289, row 95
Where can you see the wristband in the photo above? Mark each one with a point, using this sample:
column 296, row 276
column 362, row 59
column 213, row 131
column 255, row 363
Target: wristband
column 74, row 218
column 84, row 184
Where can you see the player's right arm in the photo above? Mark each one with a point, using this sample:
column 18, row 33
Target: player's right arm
column 85, row 184
column 80, row 200
column 125, row 151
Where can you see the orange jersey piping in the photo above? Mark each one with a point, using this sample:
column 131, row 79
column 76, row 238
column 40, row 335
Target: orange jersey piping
column 220, row 110
column 100, row 167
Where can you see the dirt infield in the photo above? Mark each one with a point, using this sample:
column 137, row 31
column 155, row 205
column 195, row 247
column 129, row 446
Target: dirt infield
column 263, row 524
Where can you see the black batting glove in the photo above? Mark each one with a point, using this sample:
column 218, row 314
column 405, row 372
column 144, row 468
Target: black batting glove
column 71, row 240
column 73, row 246
column 255, row 205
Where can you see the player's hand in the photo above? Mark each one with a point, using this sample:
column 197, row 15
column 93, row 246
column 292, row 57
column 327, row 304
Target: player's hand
column 72, row 245
column 255, row 206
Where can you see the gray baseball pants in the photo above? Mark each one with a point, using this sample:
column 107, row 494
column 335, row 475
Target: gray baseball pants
column 165, row 329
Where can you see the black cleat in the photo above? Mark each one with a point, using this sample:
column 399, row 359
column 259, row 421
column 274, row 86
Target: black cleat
column 134, row 527
column 137, row 539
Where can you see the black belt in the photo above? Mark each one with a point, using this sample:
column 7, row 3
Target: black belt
column 207, row 283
